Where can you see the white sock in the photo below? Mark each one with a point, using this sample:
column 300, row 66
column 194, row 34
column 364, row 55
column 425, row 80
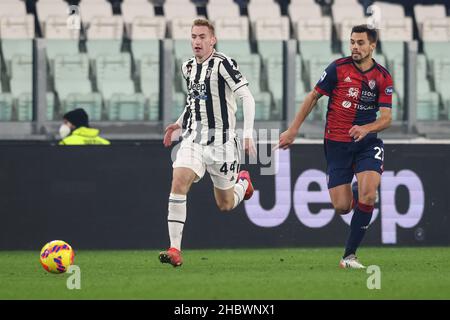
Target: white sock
column 239, row 191
column 176, row 219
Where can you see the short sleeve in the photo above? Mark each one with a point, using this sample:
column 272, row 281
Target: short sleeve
column 385, row 93
column 327, row 81
column 229, row 70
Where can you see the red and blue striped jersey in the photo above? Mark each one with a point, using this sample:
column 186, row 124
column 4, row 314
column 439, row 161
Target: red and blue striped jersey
column 354, row 96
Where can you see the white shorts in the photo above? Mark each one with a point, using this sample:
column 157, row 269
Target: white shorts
column 221, row 161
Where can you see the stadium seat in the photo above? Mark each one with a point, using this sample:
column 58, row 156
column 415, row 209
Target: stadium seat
column 126, row 107
column 313, row 29
column 113, row 74
column 71, row 74
column 346, row 12
column 270, row 48
column 428, row 106
column 441, row 76
column 263, row 9
column 263, row 110
column 91, row 10
column 46, row 10
column 423, row 85
column 143, row 28
column 397, row 71
column 274, row 71
column 25, row 106
column 16, row 33
column 12, row 8
column 56, row 47
column 396, row 29
column 380, row 59
column 300, row 92
column 6, row 107
column 234, row 47
column 302, row 12
column 447, row 108
column 141, row 48
column 222, row 10
column 303, row 2
column 136, row 9
column 182, row 9
column 180, row 28
column 320, row 110
column 393, row 51
column 91, row 102
column 149, row 70
column 150, row 84
column 232, row 29
column 275, row 80
column 390, row 10
column 424, row 13
column 397, row 111
column 178, row 104
column 104, row 36
column 153, row 108
column 250, row 67
column 75, row 67
column 299, row 84
column 436, row 50
column 17, row 27
column 15, row 47
column 435, row 30
column 314, row 49
column 55, row 27
column 21, row 75
column 60, row 39
column 272, row 29
column 182, row 50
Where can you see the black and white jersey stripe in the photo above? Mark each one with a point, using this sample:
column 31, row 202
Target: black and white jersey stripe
column 210, row 112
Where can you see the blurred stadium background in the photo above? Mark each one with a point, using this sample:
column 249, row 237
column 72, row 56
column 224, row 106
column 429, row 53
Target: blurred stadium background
column 122, row 65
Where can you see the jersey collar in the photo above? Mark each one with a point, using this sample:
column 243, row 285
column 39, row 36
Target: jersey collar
column 368, row 70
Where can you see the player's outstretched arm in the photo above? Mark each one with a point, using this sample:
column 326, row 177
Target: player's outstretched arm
column 248, row 105
column 288, row 136
column 383, row 122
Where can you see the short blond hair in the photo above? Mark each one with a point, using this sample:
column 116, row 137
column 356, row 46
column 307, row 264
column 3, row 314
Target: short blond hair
column 204, row 23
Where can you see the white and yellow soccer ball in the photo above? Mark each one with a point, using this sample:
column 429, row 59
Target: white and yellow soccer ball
column 57, row 256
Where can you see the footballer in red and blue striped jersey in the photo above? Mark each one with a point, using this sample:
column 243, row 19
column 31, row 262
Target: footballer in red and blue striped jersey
column 355, row 96
column 357, row 87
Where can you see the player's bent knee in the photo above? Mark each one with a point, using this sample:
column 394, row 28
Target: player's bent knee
column 342, row 209
column 368, row 198
column 225, row 205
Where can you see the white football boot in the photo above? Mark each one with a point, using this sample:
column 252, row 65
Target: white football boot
column 351, row 261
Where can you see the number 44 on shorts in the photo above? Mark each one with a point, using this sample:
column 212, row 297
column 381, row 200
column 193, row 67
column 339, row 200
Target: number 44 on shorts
column 224, row 169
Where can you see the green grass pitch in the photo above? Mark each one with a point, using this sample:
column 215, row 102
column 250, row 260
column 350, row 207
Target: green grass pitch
column 406, row 273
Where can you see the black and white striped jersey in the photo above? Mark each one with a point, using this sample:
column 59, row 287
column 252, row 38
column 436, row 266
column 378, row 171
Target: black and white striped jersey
column 210, row 112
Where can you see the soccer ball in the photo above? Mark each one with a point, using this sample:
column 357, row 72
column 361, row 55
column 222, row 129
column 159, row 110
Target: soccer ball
column 57, row 256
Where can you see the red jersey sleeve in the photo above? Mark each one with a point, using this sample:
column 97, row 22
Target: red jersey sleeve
column 385, row 93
